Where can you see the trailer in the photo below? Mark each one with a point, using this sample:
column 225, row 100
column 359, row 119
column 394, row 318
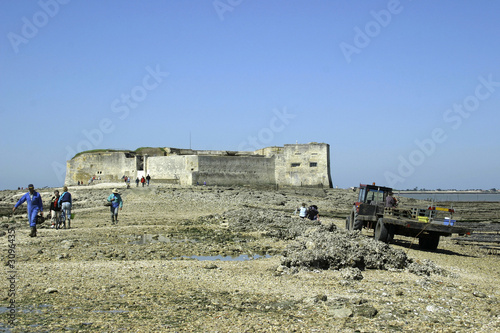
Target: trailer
column 374, row 210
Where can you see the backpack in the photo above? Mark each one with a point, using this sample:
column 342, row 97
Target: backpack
column 312, row 211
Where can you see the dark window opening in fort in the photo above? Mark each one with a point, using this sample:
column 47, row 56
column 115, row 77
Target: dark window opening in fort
column 298, row 153
column 313, row 164
column 295, row 165
column 140, row 163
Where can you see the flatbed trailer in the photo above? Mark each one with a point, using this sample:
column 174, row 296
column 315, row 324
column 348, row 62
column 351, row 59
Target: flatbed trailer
column 425, row 223
column 427, row 233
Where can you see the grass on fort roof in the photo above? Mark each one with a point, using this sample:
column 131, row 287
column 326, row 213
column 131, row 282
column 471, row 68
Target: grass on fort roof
column 113, row 150
column 100, row 151
column 142, row 148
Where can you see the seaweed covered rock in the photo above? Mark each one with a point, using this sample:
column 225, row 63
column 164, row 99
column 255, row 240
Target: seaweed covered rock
column 340, row 249
column 320, row 246
column 425, row 267
column 272, row 223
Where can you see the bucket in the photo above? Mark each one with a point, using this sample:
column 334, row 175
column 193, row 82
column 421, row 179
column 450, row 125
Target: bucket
column 72, row 215
column 449, row 221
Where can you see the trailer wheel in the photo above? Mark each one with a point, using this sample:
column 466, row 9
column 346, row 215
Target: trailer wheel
column 381, row 232
column 357, row 224
column 429, row 242
column 390, row 233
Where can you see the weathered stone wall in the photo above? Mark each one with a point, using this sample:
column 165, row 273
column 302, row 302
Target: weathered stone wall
column 234, row 170
column 304, row 165
column 109, row 166
column 291, row 165
column 172, row 169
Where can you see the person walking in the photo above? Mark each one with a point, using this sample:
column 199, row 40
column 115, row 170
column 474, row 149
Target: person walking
column 137, row 182
column 116, row 203
column 65, row 202
column 148, row 178
column 55, row 210
column 143, row 181
column 35, row 207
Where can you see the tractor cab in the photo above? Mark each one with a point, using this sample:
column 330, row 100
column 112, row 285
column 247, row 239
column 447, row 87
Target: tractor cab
column 372, row 194
column 371, row 201
column 369, row 207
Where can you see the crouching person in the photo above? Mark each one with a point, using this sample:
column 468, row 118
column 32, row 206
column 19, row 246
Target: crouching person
column 116, row 203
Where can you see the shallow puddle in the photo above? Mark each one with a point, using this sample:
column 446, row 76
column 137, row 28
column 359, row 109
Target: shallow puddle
column 4, row 328
column 150, row 239
column 110, row 311
column 30, row 309
column 242, row 257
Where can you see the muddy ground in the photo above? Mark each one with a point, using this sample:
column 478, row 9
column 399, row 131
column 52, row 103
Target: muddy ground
column 237, row 259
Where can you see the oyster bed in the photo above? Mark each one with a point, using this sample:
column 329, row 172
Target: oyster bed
column 154, row 271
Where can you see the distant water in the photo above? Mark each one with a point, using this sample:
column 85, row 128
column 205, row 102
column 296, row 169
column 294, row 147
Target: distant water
column 461, row 196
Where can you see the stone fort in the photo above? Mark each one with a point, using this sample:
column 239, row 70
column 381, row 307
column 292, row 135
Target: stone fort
column 290, row 165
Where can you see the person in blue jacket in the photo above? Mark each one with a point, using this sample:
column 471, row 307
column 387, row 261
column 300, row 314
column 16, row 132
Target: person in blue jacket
column 116, row 203
column 65, row 202
column 35, row 206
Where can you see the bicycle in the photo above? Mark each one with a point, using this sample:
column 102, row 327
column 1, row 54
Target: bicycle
column 60, row 220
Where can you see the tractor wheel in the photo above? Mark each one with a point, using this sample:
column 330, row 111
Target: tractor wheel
column 357, row 224
column 381, row 232
column 429, row 242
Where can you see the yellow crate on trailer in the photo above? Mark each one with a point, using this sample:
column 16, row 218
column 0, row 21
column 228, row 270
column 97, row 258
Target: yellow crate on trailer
column 423, row 219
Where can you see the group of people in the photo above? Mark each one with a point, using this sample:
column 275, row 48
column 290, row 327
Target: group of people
column 143, row 181
column 60, row 208
column 310, row 212
column 60, row 205
column 126, row 179
column 91, row 180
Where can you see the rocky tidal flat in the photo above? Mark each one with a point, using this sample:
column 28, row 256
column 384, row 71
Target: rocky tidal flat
column 238, row 259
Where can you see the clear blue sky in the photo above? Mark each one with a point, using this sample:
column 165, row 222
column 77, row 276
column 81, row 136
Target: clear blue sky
column 407, row 93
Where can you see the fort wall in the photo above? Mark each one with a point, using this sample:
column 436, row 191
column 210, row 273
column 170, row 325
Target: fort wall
column 291, row 165
column 171, row 169
column 304, row 165
column 109, row 166
column 234, row 170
